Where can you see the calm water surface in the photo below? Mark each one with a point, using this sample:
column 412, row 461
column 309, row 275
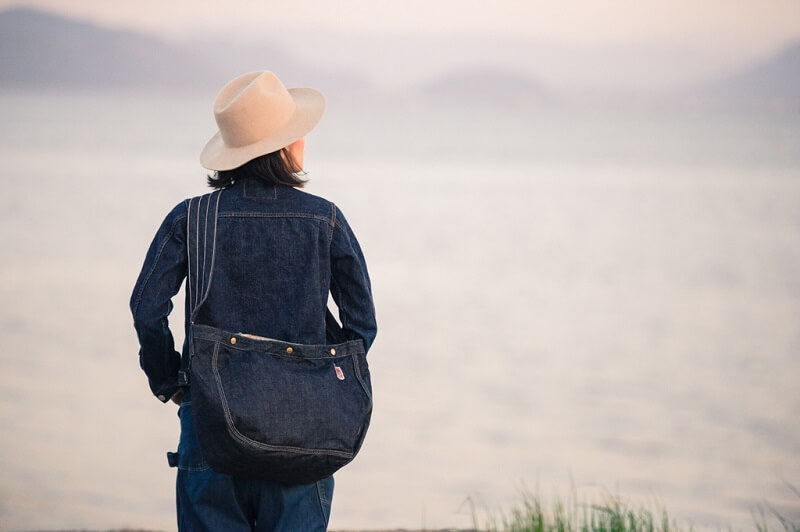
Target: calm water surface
column 597, row 298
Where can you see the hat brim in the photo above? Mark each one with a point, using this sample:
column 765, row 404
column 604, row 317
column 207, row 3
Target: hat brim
column 310, row 106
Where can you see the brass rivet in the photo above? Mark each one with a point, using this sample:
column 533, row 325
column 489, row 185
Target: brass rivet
column 289, row 350
column 233, row 340
column 333, row 352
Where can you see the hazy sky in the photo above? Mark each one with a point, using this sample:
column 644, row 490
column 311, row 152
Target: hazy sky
column 645, row 43
column 749, row 22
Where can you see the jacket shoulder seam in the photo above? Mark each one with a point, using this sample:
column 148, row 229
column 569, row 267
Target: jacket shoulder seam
column 332, row 222
column 252, row 214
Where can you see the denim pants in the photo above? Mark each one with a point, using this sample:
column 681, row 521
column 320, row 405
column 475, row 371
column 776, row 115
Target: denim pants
column 209, row 501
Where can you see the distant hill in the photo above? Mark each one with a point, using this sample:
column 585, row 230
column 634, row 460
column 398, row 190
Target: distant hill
column 39, row 49
column 772, row 82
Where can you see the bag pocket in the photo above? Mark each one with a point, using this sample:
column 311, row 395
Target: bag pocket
column 317, row 405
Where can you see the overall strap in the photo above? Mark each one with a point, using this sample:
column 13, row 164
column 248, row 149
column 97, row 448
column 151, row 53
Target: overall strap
column 201, row 239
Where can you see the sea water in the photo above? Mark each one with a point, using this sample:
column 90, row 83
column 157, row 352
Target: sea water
column 598, row 300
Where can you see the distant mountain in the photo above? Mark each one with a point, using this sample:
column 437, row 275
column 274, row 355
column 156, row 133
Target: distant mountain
column 773, row 82
column 484, row 87
column 39, row 49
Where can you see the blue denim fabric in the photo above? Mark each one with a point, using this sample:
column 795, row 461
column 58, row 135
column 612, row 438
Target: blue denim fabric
column 292, row 413
column 279, row 252
column 208, row 501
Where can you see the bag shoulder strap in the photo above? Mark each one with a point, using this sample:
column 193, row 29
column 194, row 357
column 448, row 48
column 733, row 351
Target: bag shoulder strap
column 201, row 237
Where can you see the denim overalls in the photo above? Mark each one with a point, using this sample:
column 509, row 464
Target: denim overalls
column 279, row 253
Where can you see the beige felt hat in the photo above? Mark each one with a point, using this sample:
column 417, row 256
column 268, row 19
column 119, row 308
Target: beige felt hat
column 257, row 115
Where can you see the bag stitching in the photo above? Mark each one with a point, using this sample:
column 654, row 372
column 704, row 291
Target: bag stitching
column 253, row 443
column 361, row 381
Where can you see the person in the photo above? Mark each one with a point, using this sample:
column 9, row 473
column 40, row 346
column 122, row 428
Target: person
column 279, row 253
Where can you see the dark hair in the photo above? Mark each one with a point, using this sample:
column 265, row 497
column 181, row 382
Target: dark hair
column 274, row 168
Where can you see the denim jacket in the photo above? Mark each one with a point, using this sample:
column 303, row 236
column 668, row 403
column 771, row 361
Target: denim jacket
column 279, row 251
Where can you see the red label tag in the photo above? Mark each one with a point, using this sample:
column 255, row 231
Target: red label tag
column 339, row 372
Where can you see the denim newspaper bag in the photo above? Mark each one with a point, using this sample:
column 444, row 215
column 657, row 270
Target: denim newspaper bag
column 267, row 408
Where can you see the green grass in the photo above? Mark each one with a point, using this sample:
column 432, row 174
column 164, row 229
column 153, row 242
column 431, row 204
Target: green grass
column 767, row 514
column 611, row 514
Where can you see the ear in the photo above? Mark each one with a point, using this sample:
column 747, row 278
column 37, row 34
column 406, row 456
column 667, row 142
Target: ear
column 297, row 146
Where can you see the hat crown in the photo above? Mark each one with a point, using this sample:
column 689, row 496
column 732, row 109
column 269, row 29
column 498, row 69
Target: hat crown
column 257, row 115
column 251, row 108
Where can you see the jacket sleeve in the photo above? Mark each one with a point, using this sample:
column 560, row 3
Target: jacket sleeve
column 350, row 285
column 161, row 277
